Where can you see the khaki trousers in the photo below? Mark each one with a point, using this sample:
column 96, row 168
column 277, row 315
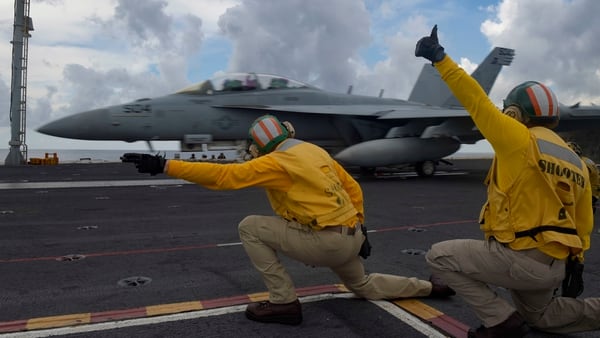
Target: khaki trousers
column 264, row 237
column 469, row 266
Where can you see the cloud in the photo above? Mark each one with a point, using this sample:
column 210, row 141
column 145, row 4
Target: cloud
column 398, row 71
column 93, row 88
column 166, row 42
column 87, row 53
column 322, row 43
column 144, row 22
column 554, row 44
column 135, row 50
column 312, row 41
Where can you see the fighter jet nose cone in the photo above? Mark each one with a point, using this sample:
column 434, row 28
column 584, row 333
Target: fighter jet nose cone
column 48, row 129
column 86, row 125
column 65, row 127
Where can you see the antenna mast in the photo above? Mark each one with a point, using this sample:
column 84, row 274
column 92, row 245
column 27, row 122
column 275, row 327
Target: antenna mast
column 23, row 24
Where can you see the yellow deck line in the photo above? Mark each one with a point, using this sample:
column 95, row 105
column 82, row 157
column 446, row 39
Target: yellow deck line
column 258, row 297
column 155, row 310
column 57, row 321
column 418, row 308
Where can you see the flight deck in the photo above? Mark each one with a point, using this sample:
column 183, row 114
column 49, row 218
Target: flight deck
column 98, row 250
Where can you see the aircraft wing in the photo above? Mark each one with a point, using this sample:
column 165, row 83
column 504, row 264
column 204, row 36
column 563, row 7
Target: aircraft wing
column 581, row 124
column 578, row 117
column 385, row 112
column 580, row 112
column 447, row 127
column 360, row 130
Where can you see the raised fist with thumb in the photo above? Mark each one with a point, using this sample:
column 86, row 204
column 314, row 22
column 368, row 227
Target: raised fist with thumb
column 429, row 47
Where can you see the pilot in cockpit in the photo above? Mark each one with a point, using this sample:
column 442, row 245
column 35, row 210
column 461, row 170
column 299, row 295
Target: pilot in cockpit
column 278, row 83
column 251, row 82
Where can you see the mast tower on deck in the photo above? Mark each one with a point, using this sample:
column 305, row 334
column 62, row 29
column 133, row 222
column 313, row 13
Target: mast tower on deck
column 23, row 24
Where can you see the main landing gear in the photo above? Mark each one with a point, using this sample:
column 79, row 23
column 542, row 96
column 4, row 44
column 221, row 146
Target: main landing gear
column 425, row 168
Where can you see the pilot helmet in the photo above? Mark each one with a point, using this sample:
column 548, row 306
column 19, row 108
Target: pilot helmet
column 536, row 102
column 267, row 132
column 575, row 147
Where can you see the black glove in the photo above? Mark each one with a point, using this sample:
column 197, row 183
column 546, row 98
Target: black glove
column 151, row 164
column 429, row 47
column 572, row 285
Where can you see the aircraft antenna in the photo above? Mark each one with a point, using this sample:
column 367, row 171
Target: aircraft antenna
column 22, row 26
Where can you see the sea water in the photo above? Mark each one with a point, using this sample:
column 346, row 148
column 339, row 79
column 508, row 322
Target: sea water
column 99, row 156
column 104, row 155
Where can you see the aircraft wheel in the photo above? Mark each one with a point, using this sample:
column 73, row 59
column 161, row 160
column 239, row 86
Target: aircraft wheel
column 425, row 168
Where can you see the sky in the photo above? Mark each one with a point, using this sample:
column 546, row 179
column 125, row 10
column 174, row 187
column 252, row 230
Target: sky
column 85, row 54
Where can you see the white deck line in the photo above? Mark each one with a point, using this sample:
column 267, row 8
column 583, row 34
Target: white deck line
column 394, row 310
column 89, row 184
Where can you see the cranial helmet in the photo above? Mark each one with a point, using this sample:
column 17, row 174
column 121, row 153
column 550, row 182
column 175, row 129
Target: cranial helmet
column 267, row 132
column 537, row 102
column 575, row 147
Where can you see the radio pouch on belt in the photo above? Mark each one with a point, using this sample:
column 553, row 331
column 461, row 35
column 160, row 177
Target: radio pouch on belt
column 572, row 285
column 365, row 248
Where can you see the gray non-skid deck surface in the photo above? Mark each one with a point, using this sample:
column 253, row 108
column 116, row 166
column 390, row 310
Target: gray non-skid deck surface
column 170, row 232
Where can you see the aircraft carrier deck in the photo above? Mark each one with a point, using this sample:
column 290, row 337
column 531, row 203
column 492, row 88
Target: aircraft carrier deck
column 98, row 250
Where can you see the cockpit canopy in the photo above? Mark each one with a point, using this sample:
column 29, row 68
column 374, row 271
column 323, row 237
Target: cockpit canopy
column 233, row 82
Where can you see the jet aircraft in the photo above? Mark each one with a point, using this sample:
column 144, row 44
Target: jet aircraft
column 363, row 131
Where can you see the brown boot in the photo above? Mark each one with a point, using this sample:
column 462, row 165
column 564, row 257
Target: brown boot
column 513, row 327
column 439, row 289
column 267, row 312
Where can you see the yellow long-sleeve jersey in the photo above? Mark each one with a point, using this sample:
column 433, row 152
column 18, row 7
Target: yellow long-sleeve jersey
column 538, row 190
column 303, row 183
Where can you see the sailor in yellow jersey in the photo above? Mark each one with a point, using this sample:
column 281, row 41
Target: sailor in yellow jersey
column 537, row 213
column 592, row 170
column 319, row 216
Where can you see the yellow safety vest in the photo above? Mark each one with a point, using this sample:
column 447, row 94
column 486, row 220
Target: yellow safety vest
column 317, row 197
column 539, row 207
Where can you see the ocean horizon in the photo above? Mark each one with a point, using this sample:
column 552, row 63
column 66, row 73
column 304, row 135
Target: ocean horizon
column 109, row 155
column 112, row 155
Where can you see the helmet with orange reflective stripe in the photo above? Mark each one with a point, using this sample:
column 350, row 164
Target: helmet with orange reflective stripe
column 267, row 132
column 537, row 102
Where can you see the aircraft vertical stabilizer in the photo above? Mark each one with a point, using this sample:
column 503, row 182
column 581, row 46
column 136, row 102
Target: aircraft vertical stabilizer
column 430, row 89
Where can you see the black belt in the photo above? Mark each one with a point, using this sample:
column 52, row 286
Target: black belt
column 340, row 229
column 534, row 231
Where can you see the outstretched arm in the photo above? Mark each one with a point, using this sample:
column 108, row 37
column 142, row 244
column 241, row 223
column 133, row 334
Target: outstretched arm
column 506, row 135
